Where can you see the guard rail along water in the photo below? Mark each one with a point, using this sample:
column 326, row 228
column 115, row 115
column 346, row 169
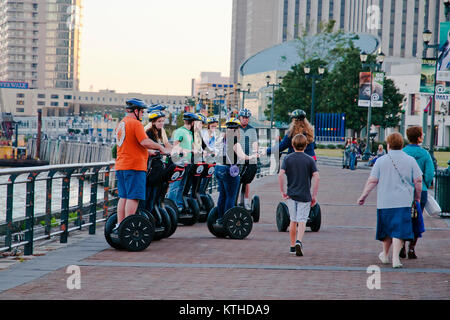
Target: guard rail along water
column 37, row 188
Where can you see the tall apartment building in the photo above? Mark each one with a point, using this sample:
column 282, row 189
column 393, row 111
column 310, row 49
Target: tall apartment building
column 399, row 24
column 39, row 42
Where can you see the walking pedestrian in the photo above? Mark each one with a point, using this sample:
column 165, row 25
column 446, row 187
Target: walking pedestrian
column 398, row 179
column 423, row 159
column 300, row 169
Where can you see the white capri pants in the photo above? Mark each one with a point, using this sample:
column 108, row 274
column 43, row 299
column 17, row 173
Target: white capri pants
column 298, row 211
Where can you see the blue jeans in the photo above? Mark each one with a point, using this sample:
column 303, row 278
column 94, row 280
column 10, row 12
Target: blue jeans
column 176, row 190
column 352, row 161
column 228, row 188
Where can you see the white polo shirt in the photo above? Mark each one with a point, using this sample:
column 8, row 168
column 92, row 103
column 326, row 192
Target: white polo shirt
column 391, row 191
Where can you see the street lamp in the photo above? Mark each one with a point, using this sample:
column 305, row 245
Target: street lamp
column 373, row 67
column 314, row 77
column 221, row 96
column 273, row 85
column 239, row 89
column 426, row 37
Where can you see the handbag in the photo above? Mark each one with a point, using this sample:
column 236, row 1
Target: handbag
column 432, row 207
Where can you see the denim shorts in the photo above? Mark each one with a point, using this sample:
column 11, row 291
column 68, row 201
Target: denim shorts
column 131, row 184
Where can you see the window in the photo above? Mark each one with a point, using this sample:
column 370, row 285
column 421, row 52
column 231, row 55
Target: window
column 20, row 109
column 54, row 96
column 20, row 95
column 20, row 102
column 68, row 97
column 54, row 103
column 41, row 96
column 41, row 103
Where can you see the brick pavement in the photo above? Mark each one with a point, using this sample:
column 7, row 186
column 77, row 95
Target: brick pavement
column 193, row 264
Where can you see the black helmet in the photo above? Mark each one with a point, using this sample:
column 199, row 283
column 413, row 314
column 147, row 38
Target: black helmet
column 298, row 114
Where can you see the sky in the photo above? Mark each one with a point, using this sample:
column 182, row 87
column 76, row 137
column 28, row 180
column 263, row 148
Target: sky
column 153, row 46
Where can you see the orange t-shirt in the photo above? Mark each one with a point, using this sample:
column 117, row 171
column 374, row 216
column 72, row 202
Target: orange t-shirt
column 131, row 155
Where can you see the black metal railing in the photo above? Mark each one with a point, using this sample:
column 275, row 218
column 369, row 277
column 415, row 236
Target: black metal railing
column 18, row 230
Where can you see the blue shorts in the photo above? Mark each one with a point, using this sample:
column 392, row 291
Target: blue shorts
column 131, row 184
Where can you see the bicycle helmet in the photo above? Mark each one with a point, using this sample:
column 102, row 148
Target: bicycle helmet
column 212, row 120
column 244, row 113
column 189, row 116
column 155, row 107
column 135, row 104
column 152, row 116
column 202, row 117
column 233, row 123
column 298, row 114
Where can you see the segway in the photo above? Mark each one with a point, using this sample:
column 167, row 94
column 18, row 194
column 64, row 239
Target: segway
column 283, row 219
column 204, row 200
column 190, row 211
column 247, row 175
column 135, row 232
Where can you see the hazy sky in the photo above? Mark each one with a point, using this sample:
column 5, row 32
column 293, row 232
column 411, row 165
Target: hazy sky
column 153, row 46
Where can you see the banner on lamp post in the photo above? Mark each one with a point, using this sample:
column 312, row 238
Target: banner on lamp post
column 364, row 89
column 427, row 76
column 377, row 89
column 443, row 62
column 371, row 89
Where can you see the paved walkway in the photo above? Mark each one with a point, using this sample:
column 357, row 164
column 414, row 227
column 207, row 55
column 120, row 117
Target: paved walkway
column 193, row 264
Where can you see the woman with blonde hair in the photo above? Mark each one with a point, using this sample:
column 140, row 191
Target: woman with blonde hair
column 299, row 124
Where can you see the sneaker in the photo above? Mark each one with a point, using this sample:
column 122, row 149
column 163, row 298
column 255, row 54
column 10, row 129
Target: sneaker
column 298, row 248
column 402, row 253
column 383, row 258
column 115, row 233
column 292, row 250
column 247, row 204
column 412, row 254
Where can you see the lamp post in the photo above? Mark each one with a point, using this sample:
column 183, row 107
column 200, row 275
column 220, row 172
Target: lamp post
column 220, row 96
column 239, row 90
column 314, row 77
column 273, row 85
column 373, row 67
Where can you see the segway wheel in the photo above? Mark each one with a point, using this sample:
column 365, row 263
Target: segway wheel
column 170, row 203
column 136, row 233
column 162, row 228
column 315, row 216
column 173, row 220
column 194, row 212
column 282, row 217
column 255, row 208
column 109, row 226
column 238, row 223
column 208, row 203
column 212, row 227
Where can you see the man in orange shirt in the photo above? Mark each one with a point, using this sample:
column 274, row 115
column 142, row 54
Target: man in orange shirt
column 131, row 162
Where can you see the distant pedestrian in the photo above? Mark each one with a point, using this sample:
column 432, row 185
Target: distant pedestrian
column 300, row 169
column 380, row 153
column 398, row 179
column 423, row 158
column 353, row 154
column 347, row 154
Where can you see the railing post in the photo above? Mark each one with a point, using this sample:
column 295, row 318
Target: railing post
column 29, row 224
column 48, row 202
column 93, row 203
column 9, row 209
column 106, row 193
column 65, row 195
column 80, row 196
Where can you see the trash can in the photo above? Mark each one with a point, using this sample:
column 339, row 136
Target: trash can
column 443, row 190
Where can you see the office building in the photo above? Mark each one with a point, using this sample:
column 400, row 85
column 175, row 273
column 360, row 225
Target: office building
column 39, row 43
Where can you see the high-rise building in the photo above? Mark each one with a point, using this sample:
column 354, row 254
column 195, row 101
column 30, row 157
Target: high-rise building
column 39, row 42
column 399, row 24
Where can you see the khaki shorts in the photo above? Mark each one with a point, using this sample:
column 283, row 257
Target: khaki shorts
column 298, row 211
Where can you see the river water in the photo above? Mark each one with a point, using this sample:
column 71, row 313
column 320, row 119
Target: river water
column 19, row 194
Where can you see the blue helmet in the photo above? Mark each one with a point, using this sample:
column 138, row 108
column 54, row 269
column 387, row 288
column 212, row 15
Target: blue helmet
column 134, row 104
column 155, row 107
column 212, row 120
column 244, row 113
column 189, row 116
column 202, row 117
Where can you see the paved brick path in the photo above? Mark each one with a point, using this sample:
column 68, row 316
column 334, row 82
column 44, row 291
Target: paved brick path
column 193, row 264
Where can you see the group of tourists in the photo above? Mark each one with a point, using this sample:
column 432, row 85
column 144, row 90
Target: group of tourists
column 402, row 176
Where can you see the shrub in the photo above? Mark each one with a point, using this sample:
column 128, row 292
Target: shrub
column 331, row 146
